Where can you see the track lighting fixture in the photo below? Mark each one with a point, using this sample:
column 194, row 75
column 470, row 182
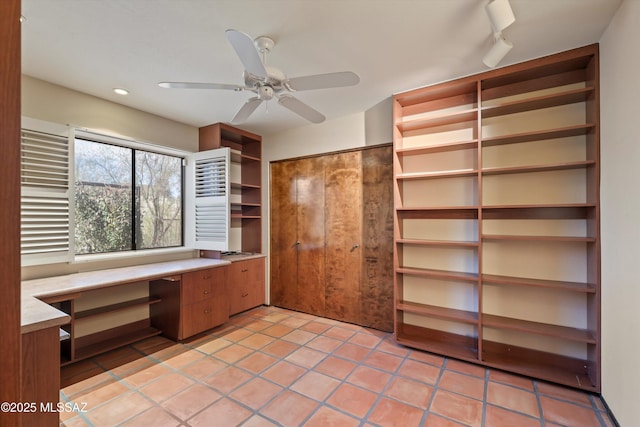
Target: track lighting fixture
column 501, row 16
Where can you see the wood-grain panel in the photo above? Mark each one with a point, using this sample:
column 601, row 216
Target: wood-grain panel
column 310, row 291
column 245, row 285
column 283, row 217
column 376, row 285
column 10, row 339
column 40, row 376
column 343, row 225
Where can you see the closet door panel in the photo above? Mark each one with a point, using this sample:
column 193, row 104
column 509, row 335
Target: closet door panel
column 284, row 252
column 310, row 235
column 376, row 284
column 343, row 222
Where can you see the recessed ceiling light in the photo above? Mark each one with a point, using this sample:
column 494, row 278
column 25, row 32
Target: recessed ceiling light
column 121, row 91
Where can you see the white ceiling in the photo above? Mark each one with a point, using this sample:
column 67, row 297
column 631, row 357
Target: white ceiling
column 393, row 45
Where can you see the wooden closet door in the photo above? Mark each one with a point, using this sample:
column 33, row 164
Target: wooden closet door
column 310, row 244
column 343, row 236
column 376, row 285
column 283, row 251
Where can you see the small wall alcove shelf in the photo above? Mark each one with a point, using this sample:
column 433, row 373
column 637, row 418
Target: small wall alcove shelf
column 497, row 218
column 245, row 234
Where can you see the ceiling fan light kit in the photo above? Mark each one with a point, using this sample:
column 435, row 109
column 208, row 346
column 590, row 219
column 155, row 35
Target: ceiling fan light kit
column 501, row 16
column 269, row 82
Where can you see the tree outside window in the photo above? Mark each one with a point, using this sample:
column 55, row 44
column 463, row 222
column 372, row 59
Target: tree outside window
column 125, row 199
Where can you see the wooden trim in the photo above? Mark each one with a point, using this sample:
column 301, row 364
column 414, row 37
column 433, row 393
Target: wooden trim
column 10, row 336
column 348, row 150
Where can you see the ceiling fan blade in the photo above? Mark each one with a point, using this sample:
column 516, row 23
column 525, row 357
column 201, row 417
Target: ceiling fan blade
column 246, row 110
column 323, row 81
column 188, row 85
column 301, row 109
column 246, row 51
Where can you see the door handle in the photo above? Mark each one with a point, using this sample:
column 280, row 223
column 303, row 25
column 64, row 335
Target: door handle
column 355, row 246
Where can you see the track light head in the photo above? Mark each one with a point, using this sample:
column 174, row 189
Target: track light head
column 498, row 51
column 500, row 14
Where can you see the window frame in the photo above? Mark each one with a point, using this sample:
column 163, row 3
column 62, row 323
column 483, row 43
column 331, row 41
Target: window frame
column 120, row 141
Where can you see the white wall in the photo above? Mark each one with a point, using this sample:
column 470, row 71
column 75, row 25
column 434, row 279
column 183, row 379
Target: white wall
column 620, row 200
column 46, row 101
column 332, row 135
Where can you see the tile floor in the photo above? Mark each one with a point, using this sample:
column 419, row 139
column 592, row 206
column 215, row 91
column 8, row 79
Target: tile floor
column 275, row 367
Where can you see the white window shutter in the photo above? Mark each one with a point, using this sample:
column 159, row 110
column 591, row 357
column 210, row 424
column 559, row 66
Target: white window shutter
column 45, row 225
column 207, row 200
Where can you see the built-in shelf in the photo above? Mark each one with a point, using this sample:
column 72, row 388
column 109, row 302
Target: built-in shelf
column 440, row 342
column 540, row 211
column 438, row 274
column 541, row 135
column 452, row 243
column 537, row 328
column 522, row 238
column 246, row 152
column 112, row 308
column 445, row 170
column 84, row 352
column 456, row 212
column 565, row 370
column 550, row 284
column 538, row 168
column 553, row 100
column 466, row 117
column 436, row 175
column 438, row 148
column 438, row 312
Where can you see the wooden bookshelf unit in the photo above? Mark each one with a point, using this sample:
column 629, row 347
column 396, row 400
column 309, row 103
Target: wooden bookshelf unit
column 497, row 218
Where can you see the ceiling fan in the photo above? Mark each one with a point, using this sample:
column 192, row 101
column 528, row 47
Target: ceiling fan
column 269, row 82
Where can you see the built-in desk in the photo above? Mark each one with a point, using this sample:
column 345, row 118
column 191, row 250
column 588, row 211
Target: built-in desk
column 41, row 322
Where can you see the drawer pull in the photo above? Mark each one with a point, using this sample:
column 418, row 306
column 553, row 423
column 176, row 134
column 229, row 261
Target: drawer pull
column 245, row 294
column 206, row 292
column 207, row 311
column 245, row 270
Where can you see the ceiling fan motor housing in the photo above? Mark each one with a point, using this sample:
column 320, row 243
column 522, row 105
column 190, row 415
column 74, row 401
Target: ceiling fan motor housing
column 274, row 81
column 265, row 92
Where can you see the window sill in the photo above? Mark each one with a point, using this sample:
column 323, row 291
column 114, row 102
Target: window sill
column 113, row 256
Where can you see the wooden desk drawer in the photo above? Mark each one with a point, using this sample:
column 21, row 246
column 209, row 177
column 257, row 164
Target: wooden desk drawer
column 246, row 285
column 198, row 285
column 203, row 315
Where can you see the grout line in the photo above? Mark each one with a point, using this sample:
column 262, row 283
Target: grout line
column 543, row 423
column 279, row 316
column 485, row 397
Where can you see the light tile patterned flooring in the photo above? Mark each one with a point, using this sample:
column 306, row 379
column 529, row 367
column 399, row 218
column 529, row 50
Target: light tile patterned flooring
column 275, row 367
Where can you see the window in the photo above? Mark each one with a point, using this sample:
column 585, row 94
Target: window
column 87, row 193
column 126, row 198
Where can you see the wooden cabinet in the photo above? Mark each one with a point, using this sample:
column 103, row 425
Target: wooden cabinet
column 245, row 234
column 343, row 235
column 331, row 234
column 204, row 302
column 246, row 285
column 297, row 235
column 497, row 253
column 40, row 377
column 190, row 303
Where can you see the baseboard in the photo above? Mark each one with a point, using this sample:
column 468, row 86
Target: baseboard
column 609, row 412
